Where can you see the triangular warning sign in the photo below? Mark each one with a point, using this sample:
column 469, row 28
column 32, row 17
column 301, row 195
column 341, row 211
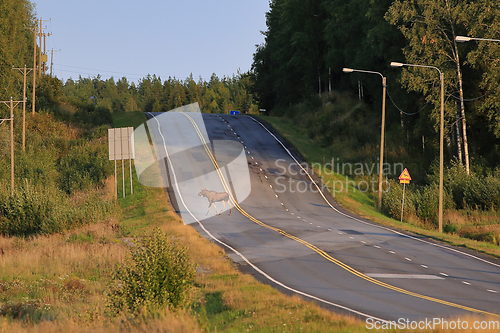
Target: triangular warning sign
column 404, row 178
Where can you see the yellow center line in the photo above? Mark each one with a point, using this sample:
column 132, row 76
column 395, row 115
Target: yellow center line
column 314, row 247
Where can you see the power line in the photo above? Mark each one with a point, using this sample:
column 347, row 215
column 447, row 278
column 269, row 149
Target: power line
column 465, row 99
column 403, row 112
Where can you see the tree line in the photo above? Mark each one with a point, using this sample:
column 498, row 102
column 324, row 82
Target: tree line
column 309, row 42
column 151, row 94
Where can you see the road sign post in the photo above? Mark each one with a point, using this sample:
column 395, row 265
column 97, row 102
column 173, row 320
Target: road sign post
column 121, row 147
column 404, row 179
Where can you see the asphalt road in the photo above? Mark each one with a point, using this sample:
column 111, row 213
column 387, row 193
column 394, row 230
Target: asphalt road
column 287, row 233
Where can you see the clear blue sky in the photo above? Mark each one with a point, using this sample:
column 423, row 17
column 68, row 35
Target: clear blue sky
column 134, row 38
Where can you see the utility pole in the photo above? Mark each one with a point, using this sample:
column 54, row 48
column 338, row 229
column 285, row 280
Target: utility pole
column 52, row 60
column 25, row 72
column 40, row 35
column 35, row 30
column 40, row 50
column 11, row 119
column 44, row 55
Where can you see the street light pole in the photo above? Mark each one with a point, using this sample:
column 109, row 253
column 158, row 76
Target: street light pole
column 462, row 39
column 441, row 139
column 382, row 130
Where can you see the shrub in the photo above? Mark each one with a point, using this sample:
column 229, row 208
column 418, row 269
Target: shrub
column 93, row 115
column 31, row 210
column 83, row 167
column 482, row 192
column 158, row 274
column 392, row 200
column 46, row 209
column 480, row 234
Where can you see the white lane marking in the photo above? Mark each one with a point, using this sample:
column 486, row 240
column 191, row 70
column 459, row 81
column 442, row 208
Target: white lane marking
column 276, row 195
column 364, row 222
column 392, row 252
column 424, row 266
column 351, row 237
column 270, row 278
column 363, row 242
column 378, row 247
column 492, row 291
column 443, row 274
column 465, row 282
column 404, row 276
column 271, row 186
column 408, row 259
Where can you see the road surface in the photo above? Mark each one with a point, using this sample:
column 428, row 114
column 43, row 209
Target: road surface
column 289, row 234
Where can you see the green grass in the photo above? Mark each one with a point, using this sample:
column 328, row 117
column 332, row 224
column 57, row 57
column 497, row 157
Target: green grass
column 125, row 119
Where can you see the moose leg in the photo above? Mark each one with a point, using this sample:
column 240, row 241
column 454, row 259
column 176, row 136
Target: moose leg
column 230, row 209
column 209, row 205
column 215, row 207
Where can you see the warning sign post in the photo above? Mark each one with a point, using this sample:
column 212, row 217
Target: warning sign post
column 404, row 178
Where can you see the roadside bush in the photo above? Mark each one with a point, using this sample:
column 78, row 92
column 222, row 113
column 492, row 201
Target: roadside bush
column 481, row 235
column 83, row 167
column 392, row 201
column 157, row 274
column 482, row 192
column 46, row 209
column 31, row 210
column 93, row 115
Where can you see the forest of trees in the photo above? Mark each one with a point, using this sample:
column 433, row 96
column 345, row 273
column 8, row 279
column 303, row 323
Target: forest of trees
column 308, row 42
column 152, row 94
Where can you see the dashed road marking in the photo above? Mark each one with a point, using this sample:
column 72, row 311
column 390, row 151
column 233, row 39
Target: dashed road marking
column 405, row 276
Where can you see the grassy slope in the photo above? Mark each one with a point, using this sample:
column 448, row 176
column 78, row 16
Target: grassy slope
column 59, row 283
column 357, row 202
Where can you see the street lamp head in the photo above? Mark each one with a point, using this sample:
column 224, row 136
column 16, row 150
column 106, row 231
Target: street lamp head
column 462, row 39
column 347, row 70
column 396, row 64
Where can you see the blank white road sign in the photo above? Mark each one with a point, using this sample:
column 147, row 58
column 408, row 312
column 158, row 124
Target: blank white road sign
column 121, row 143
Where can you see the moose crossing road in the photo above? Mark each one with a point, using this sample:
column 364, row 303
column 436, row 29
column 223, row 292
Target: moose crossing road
column 288, row 233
